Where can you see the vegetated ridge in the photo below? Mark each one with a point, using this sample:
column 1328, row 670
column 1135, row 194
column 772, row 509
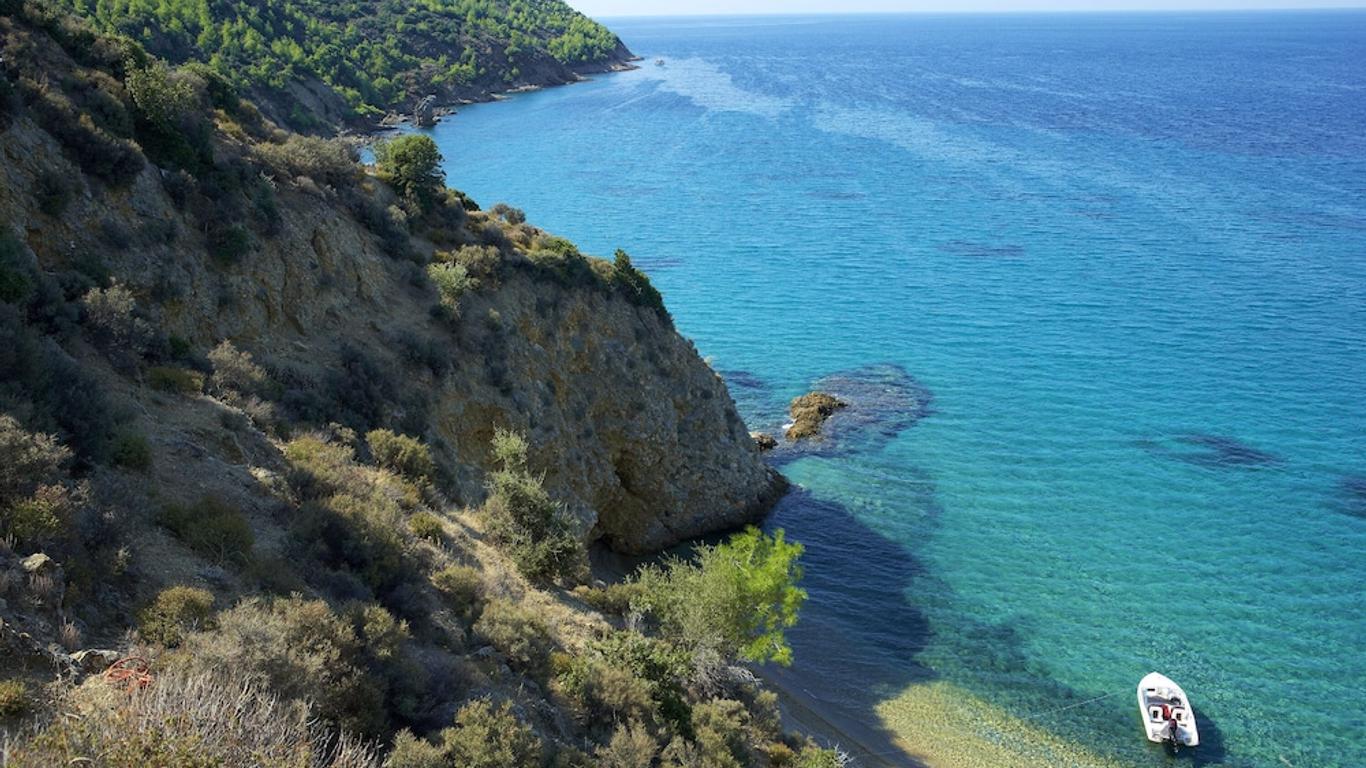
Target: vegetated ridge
column 316, row 64
column 323, row 447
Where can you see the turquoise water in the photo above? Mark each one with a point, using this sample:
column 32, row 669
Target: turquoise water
column 1124, row 254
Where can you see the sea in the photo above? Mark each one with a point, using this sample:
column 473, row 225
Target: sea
column 1094, row 286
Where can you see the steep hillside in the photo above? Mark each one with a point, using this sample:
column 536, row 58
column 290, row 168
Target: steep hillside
column 315, row 64
column 323, row 448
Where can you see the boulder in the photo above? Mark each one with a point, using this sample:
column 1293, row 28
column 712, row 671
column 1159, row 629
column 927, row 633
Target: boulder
column 424, row 114
column 809, row 413
column 764, row 441
column 95, row 660
column 39, row 563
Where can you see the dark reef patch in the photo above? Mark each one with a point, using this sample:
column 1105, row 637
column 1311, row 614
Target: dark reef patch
column 1216, row 451
column 977, row 250
column 743, row 379
column 1353, row 495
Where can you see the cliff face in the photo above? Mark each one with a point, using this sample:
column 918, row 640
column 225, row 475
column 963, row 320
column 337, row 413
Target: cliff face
column 633, row 431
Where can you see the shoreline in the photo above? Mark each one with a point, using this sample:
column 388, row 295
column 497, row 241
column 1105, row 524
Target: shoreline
column 869, row 747
column 394, row 120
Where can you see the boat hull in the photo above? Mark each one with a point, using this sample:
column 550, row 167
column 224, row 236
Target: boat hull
column 1161, row 701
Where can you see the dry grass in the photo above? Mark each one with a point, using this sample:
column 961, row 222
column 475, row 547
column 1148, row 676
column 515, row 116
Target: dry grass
column 186, row 720
column 69, row 635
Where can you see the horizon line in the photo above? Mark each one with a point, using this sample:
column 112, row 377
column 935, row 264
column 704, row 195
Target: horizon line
column 988, row 12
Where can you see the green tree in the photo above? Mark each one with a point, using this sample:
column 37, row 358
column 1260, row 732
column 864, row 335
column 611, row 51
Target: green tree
column 738, row 597
column 413, row 165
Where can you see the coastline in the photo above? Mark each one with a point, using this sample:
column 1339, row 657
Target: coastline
column 395, row 119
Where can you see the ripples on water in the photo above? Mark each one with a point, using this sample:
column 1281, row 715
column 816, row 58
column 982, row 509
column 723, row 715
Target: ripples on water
column 1127, row 254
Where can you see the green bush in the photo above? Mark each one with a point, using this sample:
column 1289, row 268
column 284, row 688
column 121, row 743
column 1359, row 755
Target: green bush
column 169, row 116
column 175, row 613
column 212, row 528
column 181, row 381
column 737, row 598
column 635, row 285
column 131, row 450
column 402, row 454
column 519, row 633
column 411, row 752
column 229, row 244
column 327, row 161
column 14, row 698
column 16, row 275
column 535, row 530
column 462, row 586
column 35, row 502
column 451, row 281
column 426, row 525
column 631, row 746
column 234, row 371
column 52, row 192
column 486, row 736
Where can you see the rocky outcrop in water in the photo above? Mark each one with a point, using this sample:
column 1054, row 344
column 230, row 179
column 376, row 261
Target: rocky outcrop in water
column 809, row 412
column 424, row 114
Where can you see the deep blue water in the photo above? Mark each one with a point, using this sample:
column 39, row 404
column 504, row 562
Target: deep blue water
column 1125, row 255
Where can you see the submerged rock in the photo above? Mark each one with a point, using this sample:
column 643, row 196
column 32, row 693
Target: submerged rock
column 809, row 412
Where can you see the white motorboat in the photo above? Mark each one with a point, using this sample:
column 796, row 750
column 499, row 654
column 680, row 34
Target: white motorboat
column 1167, row 713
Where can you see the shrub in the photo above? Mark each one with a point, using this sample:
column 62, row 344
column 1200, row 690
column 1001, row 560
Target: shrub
column 181, row 381
column 402, row 454
column 720, row 729
column 235, row 371
column 738, row 597
column 52, row 192
column 815, row 757
column 481, row 262
column 110, row 314
column 14, row 699
column 602, row 693
column 411, row 752
column 426, row 525
column 509, row 214
column 299, row 650
column 211, row 528
column 631, row 746
column 229, row 243
column 96, row 151
column 519, row 633
column 131, row 450
column 635, row 285
column 451, row 281
column 537, row 532
column 168, row 115
column 462, row 586
column 60, row 397
column 614, row 599
column 327, row 161
column 486, row 736
column 200, row 721
column 413, row 165
column 175, row 613
column 27, row 460
column 16, row 275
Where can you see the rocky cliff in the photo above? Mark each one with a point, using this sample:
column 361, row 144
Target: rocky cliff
column 633, row 431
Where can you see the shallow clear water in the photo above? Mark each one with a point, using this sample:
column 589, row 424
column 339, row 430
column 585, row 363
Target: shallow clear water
column 1126, row 254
